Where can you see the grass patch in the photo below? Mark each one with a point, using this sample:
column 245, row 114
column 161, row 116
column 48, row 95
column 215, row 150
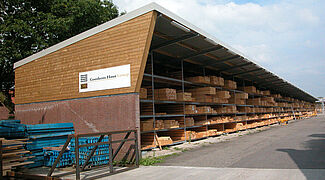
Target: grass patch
column 165, row 148
column 149, row 161
column 177, row 148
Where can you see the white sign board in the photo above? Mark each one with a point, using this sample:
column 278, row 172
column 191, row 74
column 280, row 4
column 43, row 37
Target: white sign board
column 108, row 78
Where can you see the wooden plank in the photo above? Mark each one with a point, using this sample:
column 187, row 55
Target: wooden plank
column 146, row 51
column 14, row 153
column 11, row 165
column 13, row 159
column 13, row 142
column 157, row 140
column 12, row 147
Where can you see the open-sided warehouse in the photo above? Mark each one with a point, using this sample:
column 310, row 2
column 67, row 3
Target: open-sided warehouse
column 151, row 69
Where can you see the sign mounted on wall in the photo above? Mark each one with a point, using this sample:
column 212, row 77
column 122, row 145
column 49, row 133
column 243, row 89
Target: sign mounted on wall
column 108, row 78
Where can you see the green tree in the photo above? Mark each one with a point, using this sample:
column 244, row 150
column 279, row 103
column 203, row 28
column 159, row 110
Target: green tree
column 29, row 26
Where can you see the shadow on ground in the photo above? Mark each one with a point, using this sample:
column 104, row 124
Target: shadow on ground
column 313, row 158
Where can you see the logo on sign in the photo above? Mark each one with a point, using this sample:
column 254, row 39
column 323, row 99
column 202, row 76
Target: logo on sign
column 108, row 78
column 83, row 78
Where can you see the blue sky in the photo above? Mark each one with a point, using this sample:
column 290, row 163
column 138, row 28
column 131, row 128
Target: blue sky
column 286, row 37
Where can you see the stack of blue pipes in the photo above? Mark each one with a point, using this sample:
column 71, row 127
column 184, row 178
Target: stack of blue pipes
column 100, row 156
column 50, row 155
column 12, row 129
column 46, row 135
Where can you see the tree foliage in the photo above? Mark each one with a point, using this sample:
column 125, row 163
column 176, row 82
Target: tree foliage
column 29, row 26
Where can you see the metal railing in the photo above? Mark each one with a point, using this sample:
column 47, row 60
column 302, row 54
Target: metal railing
column 112, row 155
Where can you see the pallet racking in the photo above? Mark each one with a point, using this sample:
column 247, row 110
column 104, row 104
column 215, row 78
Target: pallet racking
column 154, row 110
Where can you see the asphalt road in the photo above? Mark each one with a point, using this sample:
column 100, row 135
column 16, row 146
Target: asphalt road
column 299, row 145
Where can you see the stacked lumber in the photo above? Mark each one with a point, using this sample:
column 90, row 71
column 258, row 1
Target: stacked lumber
column 229, row 84
column 217, row 81
column 199, row 79
column 238, row 98
column 165, row 94
column 204, row 109
column 148, row 125
column 218, row 127
column 276, row 96
column 201, row 132
column 175, row 135
column 204, row 98
column 189, row 136
column 184, row 96
column 203, row 90
column 219, row 119
column 220, row 110
column 240, row 126
column 288, row 98
column 189, row 121
column 219, row 100
column 252, row 117
column 171, row 124
column 245, row 109
column 190, row 109
column 283, row 104
column 230, row 127
column 147, row 140
column 203, row 94
column 223, row 94
column 249, row 89
column 222, row 97
column 200, row 120
column 213, row 132
column 231, row 109
column 13, row 154
column 269, row 101
column 254, row 101
column 143, row 93
column 239, row 118
column 266, row 93
column 165, row 140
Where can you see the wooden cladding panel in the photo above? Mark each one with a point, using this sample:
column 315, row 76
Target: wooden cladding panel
column 55, row 76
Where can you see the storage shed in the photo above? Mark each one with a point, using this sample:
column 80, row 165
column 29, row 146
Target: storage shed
column 153, row 69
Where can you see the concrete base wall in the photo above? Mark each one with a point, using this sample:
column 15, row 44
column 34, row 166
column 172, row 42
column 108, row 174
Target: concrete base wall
column 98, row 114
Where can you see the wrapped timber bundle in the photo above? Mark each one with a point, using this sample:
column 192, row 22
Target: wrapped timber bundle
column 229, row 84
column 165, row 94
column 249, row 89
column 203, row 94
column 217, row 81
column 199, row 79
column 13, row 154
column 238, row 98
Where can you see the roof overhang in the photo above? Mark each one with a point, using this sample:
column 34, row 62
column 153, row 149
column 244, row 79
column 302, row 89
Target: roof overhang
column 184, row 41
